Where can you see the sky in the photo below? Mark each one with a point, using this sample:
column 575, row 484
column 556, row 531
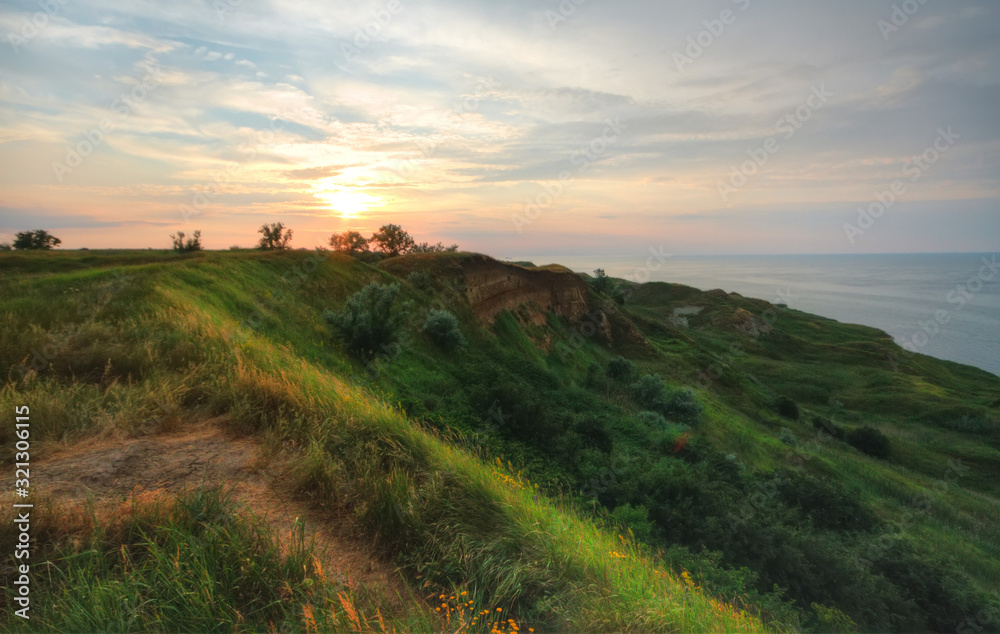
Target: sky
column 565, row 127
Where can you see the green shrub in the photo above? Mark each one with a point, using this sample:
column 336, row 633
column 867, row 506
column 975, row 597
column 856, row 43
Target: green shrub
column 787, row 437
column 654, row 420
column 419, row 280
column 595, row 379
column 620, row 369
column 370, row 322
column 871, row 441
column 683, row 406
column 786, row 408
column 442, row 327
column 636, row 520
column 649, row 392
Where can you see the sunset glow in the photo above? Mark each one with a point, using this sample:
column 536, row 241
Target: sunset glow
column 346, row 202
column 508, row 128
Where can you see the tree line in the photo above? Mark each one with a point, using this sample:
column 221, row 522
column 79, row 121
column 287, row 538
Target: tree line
column 390, row 240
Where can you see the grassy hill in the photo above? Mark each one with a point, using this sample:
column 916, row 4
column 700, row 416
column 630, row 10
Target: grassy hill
column 680, row 461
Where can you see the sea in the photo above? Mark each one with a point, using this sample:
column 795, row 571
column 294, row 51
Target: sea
column 946, row 305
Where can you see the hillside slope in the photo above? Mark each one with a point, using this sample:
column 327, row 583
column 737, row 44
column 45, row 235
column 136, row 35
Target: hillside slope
column 121, row 346
column 764, row 460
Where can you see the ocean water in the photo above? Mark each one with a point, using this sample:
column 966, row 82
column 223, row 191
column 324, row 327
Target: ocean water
column 944, row 305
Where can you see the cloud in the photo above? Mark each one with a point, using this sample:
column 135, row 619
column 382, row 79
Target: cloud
column 456, row 113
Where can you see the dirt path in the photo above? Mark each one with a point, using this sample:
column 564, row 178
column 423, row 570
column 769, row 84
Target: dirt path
column 205, row 455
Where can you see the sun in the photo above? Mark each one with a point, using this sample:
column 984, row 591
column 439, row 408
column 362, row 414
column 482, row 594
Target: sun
column 347, row 202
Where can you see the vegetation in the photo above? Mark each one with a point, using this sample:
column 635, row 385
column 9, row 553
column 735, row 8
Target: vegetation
column 274, row 237
column 786, row 408
column 370, row 321
column 420, row 280
column 392, row 240
column 350, row 242
column 424, row 247
column 443, row 329
column 602, row 283
column 37, row 240
column 389, row 241
column 871, row 441
column 193, row 563
column 568, row 490
column 180, row 245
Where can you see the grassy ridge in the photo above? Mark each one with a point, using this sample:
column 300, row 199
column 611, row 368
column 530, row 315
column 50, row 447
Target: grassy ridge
column 119, row 349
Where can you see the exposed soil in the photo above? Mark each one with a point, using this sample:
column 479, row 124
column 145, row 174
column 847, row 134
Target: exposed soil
column 206, row 455
column 493, row 287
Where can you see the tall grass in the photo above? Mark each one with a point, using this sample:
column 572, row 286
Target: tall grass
column 451, row 521
column 192, row 563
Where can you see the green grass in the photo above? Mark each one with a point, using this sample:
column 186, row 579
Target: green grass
column 122, row 343
column 215, row 333
column 194, row 563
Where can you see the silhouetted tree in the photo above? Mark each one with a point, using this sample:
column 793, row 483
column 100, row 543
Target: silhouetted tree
column 349, row 242
column 393, row 240
column 184, row 246
column 424, row 247
column 274, row 236
column 37, row 239
column 602, row 283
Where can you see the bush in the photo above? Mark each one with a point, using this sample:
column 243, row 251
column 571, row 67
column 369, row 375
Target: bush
column 649, row 392
column 635, row 519
column 683, row 406
column 419, row 280
column 652, row 419
column 871, row 441
column 786, row 408
column 787, row 437
column 369, row 323
column 621, row 369
column 442, row 327
column 595, row 379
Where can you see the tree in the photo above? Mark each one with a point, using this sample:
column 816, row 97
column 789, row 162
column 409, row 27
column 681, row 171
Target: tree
column 350, row 242
column 37, row 239
column 274, row 236
column 393, row 240
column 601, row 281
column 424, row 247
column 5, row 246
column 191, row 244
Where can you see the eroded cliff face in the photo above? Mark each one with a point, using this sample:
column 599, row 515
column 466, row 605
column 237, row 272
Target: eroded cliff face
column 492, row 287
